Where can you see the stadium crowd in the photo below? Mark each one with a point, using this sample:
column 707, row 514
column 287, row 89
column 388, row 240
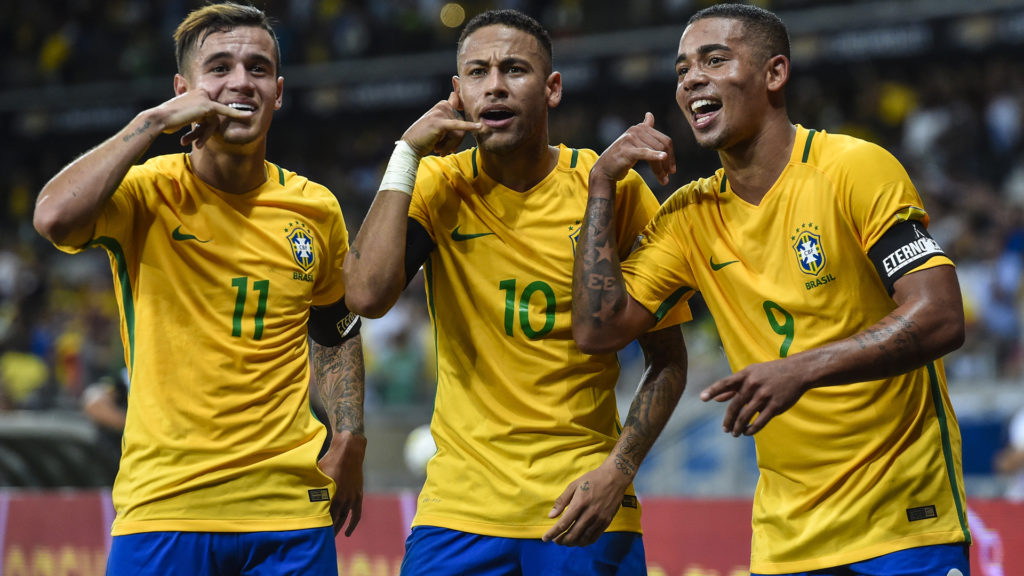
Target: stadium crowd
column 955, row 119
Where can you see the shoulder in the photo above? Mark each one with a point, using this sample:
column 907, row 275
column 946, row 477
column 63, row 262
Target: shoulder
column 701, row 192
column 440, row 175
column 844, row 152
column 298, row 184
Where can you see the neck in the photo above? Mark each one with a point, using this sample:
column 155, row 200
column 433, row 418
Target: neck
column 521, row 169
column 234, row 173
column 754, row 166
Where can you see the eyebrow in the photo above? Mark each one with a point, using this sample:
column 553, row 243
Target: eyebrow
column 503, row 62
column 260, row 58
column 705, row 49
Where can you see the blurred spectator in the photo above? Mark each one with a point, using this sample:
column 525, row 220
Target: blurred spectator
column 105, row 402
column 1010, row 460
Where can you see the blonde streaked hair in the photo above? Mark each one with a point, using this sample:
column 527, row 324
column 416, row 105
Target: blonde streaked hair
column 200, row 23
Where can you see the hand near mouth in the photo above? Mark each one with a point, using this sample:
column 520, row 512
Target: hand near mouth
column 440, row 130
column 195, row 107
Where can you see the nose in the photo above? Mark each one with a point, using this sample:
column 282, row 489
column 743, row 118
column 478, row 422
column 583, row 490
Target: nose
column 495, row 85
column 694, row 79
column 239, row 79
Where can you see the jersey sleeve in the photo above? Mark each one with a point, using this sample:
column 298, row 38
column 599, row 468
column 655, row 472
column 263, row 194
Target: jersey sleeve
column 119, row 212
column 329, row 286
column 429, row 178
column 882, row 197
column 657, row 273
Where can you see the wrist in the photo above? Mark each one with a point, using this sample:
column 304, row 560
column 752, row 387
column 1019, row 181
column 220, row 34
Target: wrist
column 401, row 171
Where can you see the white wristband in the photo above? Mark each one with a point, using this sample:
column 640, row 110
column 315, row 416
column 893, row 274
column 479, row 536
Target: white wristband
column 401, row 172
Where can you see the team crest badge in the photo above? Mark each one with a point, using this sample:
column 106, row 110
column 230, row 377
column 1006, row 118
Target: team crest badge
column 301, row 242
column 810, row 254
column 574, row 235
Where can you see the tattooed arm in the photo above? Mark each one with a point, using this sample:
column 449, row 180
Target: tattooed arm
column 927, row 323
column 69, row 204
column 590, row 503
column 604, row 316
column 339, row 376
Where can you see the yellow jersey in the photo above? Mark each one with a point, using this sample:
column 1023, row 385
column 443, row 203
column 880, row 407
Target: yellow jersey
column 849, row 472
column 520, row 411
column 214, row 291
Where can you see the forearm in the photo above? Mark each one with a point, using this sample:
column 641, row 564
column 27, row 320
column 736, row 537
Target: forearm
column 927, row 324
column 374, row 269
column 600, row 302
column 339, row 375
column 69, row 204
column 660, row 389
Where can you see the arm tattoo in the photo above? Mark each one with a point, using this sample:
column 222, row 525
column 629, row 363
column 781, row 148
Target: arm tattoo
column 138, row 131
column 340, row 378
column 896, row 337
column 601, row 294
column 660, row 388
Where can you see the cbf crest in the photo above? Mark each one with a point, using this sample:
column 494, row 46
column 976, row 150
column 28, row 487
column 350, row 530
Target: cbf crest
column 574, row 235
column 301, row 241
column 810, row 253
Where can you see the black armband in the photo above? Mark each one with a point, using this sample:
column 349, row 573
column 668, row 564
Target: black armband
column 418, row 246
column 903, row 247
column 331, row 325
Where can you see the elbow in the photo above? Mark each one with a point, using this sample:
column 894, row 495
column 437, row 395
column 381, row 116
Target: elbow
column 48, row 224
column 592, row 341
column 366, row 304
column 957, row 335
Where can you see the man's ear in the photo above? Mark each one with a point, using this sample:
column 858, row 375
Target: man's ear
column 553, row 91
column 457, row 99
column 777, row 73
column 180, row 85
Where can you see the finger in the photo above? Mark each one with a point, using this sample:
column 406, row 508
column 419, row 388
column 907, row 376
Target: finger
column 649, row 120
column 732, row 411
column 225, row 110
column 339, row 514
column 724, row 386
column 766, row 414
column 354, row 517
column 565, row 523
column 743, row 417
column 563, row 500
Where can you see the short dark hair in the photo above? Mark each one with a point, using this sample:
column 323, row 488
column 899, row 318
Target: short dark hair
column 764, row 28
column 200, row 23
column 512, row 19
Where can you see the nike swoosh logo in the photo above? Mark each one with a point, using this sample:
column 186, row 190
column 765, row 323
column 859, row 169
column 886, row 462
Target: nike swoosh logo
column 717, row 267
column 458, row 237
column 178, row 235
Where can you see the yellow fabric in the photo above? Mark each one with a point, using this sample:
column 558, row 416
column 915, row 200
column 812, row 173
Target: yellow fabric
column 520, row 412
column 214, row 291
column 841, row 468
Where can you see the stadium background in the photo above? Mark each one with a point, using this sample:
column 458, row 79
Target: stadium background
column 940, row 83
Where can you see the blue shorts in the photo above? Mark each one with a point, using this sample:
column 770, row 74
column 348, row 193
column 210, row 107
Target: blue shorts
column 291, row 552
column 940, row 560
column 432, row 551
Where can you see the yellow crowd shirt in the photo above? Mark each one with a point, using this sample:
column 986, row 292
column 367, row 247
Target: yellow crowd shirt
column 849, row 472
column 520, row 411
column 214, row 291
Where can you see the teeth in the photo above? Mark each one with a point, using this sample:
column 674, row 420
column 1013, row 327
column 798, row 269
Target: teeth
column 239, row 106
column 699, row 103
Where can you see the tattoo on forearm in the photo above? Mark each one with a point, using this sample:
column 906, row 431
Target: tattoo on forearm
column 660, row 389
column 339, row 374
column 897, row 338
column 138, row 131
column 602, row 293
